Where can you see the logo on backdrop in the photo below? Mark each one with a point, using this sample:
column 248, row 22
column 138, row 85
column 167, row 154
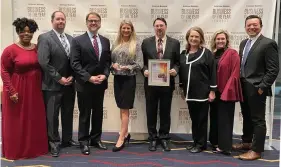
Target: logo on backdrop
column 177, row 92
column 184, row 117
column 140, row 91
column 77, row 33
column 111, row 35
column 142, row 35
column 133, row 114
column 253, row 10
column 179, row 36
column 221, row 13
column 100, row 9
column 105, row 113
column 75, row 114
column 130, row 12
column 36, row 11
column 236, row 38
column 208, row 37
column 190, row 13
column 69, row 10
column 159, row 11
column 109, row 92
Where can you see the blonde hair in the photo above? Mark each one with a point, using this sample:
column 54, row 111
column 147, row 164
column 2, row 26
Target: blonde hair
column 201, row 34
column 132, row 40
column 213, row 40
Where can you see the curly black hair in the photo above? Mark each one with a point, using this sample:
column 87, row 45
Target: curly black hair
column 21, row 23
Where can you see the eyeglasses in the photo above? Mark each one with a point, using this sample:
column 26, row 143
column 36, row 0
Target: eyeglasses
column 92, row 21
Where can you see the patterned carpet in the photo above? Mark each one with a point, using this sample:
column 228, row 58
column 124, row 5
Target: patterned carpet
column 137, row 155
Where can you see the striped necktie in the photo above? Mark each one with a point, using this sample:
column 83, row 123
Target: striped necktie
column 64, row 44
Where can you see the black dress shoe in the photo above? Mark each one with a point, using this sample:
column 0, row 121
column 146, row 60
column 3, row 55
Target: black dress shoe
column 165, row 145
column 99, row 145
column 152, row 146
column 70, row 143
column 219, row 151
column 195, row 150
column 214, row 148
column 54, row 149
column 189, row 147
column 85, row 149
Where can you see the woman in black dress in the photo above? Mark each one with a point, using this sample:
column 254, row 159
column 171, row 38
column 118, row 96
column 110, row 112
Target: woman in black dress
column 127, row 59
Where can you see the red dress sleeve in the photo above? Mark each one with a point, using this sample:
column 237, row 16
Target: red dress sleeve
column 7, row 68
column 233, row 90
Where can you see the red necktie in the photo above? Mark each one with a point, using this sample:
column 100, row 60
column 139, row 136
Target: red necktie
column 96, row 46
column 160, row 48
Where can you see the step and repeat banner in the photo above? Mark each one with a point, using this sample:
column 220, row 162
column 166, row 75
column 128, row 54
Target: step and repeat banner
column 181, row 15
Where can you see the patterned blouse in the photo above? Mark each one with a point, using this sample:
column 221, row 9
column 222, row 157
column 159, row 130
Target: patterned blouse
column 121, row 56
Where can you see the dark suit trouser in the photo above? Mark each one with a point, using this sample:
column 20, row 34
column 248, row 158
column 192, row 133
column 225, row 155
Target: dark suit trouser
column 253, row 111
column 155, row 96
column 90, row 103
column 198, row 112
column 213, row 133
column 221, row 123
column 54, row 101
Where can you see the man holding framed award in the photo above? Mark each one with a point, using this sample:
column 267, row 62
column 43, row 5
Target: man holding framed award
column 161, row 64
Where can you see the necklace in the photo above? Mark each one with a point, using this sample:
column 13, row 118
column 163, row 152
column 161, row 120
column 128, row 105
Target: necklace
column 29, row 47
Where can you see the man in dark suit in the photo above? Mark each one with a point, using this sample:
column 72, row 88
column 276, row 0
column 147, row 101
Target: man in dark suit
column 259, row 69
column 90, row 60
column 160, row 46
column 58, row 90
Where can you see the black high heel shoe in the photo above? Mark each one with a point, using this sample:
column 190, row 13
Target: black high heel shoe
column 127, row 139
column 116, row 149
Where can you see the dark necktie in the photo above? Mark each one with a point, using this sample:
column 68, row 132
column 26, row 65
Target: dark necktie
column 160, row 48
column 96, row 46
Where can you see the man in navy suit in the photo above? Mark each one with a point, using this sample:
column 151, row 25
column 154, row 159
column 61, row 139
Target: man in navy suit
column 90, row 60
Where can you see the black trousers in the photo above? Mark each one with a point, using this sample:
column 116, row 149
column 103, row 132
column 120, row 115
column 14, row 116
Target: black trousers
column 221, row 123
column 253, row 111
column 198, row 112
column 54, row 102
column 155, row 96
column 90, row 103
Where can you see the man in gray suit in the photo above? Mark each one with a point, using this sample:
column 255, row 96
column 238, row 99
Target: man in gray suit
column 58, row 88
column 259, row 69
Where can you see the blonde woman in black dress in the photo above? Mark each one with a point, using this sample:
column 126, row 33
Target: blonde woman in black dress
column 127, row 59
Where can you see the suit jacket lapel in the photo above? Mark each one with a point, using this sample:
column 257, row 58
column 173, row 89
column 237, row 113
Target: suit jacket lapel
column 254, row 47
column 153, row 48
column 57, row 40
column 90, row 46
column 168, row 43
column 102, row 44
column 242, row 48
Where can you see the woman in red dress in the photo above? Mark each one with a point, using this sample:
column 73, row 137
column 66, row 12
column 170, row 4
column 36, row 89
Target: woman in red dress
column 24, row 130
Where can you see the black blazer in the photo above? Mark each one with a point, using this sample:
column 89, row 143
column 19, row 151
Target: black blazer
column 262, row 64
column 172, row 52
column 53, row 60
column 85, row 62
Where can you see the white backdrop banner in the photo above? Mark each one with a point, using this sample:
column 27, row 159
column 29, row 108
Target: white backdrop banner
column 181, row 15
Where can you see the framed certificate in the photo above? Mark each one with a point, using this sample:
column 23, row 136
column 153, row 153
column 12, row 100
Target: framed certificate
column 158, row 72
